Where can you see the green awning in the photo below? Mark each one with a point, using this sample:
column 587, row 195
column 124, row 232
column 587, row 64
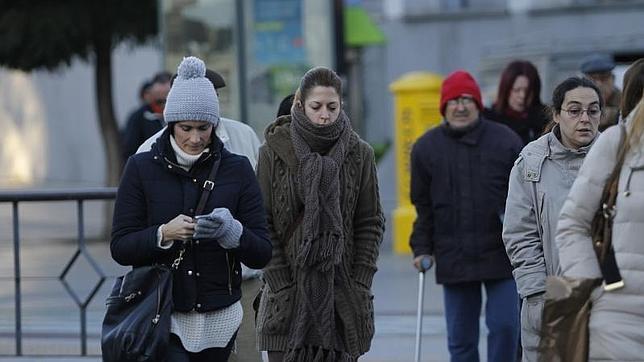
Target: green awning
column 360, row 29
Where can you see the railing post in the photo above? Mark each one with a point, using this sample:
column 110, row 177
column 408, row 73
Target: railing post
column 81, row 246
column 16, row 275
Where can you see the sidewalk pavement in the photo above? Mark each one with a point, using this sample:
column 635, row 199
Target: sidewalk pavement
column 50, row 319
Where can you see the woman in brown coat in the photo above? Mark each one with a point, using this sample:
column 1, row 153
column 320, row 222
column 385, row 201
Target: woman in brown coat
column 320, row 189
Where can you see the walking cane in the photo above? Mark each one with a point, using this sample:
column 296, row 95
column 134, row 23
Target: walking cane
column 425, row 265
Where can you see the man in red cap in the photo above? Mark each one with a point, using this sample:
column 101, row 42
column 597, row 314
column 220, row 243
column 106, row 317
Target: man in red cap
column 459, row 183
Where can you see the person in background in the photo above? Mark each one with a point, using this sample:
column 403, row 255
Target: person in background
column 539, row 183
column 320, row 190
column 154, row 218
column 240, row 139
column 145, row 96
column 616, row 318
column 459, row 180
column 599, row 68
column 518, row 104
column 285, row 105
column 148, row 119
column 237, row 137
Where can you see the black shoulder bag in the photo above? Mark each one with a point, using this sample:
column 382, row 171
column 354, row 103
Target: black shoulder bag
column 136, row 326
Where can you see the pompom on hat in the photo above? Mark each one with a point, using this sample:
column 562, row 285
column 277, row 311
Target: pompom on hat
column 192, row 96
column 457, row 84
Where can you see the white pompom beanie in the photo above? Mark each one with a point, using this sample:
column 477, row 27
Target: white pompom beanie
column 192, row 96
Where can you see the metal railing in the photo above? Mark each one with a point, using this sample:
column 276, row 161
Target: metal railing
column 80, row 196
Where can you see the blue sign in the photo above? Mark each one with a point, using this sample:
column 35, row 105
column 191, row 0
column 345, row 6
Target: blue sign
column 278, row 32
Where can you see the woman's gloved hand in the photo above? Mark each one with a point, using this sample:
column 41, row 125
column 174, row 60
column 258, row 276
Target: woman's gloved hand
column 219, row 225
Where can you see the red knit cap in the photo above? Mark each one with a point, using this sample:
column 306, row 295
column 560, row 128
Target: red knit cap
column 457, row 84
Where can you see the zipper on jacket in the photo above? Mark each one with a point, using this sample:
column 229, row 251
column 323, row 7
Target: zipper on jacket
column 230, row 282
column 156, row 318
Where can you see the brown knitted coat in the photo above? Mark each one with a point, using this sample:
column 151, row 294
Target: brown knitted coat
column 363, row 225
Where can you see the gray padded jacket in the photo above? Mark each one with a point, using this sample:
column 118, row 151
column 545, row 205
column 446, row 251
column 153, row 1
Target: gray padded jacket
column 539, row 183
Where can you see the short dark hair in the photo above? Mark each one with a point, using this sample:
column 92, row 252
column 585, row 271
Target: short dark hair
column 510, row 73
column 161, row 77
column 633, row 86
column 569, row 84
column 145, row 86
column 285, row 105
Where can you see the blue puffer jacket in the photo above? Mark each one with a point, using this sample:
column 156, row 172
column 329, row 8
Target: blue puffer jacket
column 154, row 190
column 459, row 183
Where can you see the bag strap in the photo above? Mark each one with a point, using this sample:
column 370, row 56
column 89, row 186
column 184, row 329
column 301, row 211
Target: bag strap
column 208, row 186
column 602, row 226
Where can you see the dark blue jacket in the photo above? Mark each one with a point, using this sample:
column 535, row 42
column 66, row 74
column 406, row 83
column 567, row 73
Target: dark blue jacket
column 141, row 125
column 459, row 183
column 154, row 190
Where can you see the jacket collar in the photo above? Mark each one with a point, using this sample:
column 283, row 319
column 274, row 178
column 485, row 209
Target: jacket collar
column 222, row 132
column 556, row 149
column 278, row 138
column 470, row 136
column 163, row 150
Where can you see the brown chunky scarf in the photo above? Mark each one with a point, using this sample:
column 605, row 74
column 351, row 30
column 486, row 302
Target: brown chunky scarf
column 320, row 150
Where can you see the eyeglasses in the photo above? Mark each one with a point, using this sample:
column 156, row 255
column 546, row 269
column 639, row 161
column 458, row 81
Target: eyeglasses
column 464, row 101
column 577, row 112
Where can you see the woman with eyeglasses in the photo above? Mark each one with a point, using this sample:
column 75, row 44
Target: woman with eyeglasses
column 617, row 316
column 517, row 104
column 539, row 183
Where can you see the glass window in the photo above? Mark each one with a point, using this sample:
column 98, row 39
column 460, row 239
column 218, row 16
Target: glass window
column 206, row 29
column 282, row 39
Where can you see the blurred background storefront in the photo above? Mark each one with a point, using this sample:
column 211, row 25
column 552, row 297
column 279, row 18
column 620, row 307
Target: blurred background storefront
column 261, row 47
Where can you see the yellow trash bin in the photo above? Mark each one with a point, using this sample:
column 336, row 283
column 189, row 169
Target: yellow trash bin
column 416, row 101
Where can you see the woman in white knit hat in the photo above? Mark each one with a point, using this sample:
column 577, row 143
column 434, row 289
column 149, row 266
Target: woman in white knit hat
column 154, row 219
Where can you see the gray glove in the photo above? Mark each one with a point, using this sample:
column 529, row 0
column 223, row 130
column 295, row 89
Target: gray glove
column 219, row 225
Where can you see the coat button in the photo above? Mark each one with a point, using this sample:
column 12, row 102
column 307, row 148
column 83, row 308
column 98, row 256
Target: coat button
column 169, row 166
column 194, row 180
column 189, row 272
column 197, row 242
column 192, row 210
column 198, row 305
column 156, row 157
column 198, row 274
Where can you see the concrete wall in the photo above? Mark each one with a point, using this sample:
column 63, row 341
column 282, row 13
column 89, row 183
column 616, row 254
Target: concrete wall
column 50, row 129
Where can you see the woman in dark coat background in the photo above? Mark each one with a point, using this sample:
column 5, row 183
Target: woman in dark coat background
column 517, row 104
column 154, row 217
